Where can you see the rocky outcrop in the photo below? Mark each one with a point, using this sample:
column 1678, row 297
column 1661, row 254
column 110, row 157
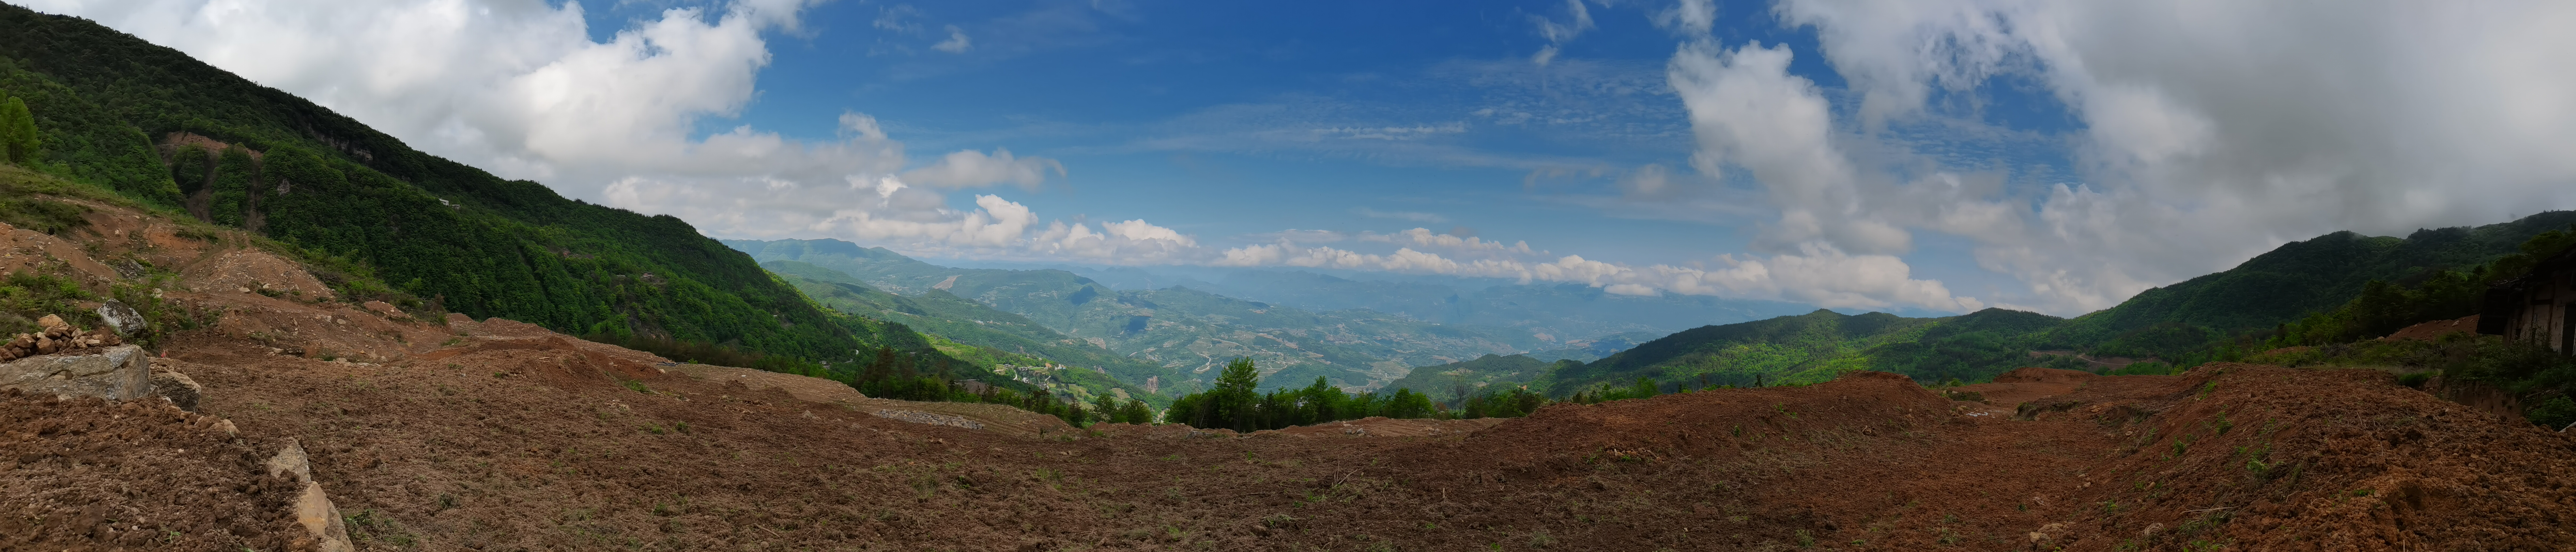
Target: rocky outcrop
column 313, row 509
column 119, row 372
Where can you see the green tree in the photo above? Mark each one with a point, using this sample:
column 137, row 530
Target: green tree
column 18, row 138
column 1233, row 395
column 1106, row 407
column 1135, row 412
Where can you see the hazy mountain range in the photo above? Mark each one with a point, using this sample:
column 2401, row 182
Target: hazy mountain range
column 1176, row 335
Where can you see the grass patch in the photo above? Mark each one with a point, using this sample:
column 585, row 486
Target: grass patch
column 43, row 215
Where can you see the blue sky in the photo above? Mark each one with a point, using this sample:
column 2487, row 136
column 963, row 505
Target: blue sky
column 1926, row 155
column 1154, row 110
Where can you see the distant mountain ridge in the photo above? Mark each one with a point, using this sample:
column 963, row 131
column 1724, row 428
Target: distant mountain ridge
column 1185, row 331
column 2170, row 322
column 1563, row 312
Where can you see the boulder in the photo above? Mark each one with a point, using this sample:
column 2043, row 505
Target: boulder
column 120, row 317
column 179, row 388
column 313, row 509
column 119, row 372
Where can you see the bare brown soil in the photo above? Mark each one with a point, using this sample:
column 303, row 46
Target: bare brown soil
column 87, row 474
column 458, row 435
column 2429, row 331
column 2028, row 384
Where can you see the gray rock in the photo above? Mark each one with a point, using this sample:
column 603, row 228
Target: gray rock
column 179, row 388
column 121, row 317
column 313, row 508
column 120, row 372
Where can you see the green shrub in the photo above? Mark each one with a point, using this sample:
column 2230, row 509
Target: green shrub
column 28, row 295
column 2554, row 413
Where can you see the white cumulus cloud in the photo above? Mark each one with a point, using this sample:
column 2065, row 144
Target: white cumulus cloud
column 518, row 87
column 2206, row 131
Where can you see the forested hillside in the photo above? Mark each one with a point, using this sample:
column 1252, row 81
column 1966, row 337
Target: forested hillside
column 166, row 130
column 1808, row 347
column 1588, row 350
column 2293, row 280
column 1453, row 382
column 2333, row 288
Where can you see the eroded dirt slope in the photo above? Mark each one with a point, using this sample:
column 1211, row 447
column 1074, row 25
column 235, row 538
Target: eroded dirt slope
column 555, row 456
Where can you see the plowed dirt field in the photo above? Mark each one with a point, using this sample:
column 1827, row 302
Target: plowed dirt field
column 536, row 450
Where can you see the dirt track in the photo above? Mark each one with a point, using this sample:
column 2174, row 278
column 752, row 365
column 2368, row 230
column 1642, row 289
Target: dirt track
column 500, row 436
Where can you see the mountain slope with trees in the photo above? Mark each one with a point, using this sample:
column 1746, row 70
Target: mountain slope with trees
column 1455, row 382
column 169, row 131
column 2331, row 289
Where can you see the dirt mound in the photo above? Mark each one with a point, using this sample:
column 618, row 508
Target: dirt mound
column 2429, row 331
column 818, row 390
column 253, row 271
column 1380, row 426
column 87, row 473
column 2264, row 458
column 2043, row 375
column 2020, row 386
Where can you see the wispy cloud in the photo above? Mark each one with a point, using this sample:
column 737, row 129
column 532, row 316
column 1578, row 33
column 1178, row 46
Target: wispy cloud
column 1577, row 20
column 957, row 43
column 1414, row 216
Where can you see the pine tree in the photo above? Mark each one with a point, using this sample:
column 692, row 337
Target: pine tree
column 1233, row 398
